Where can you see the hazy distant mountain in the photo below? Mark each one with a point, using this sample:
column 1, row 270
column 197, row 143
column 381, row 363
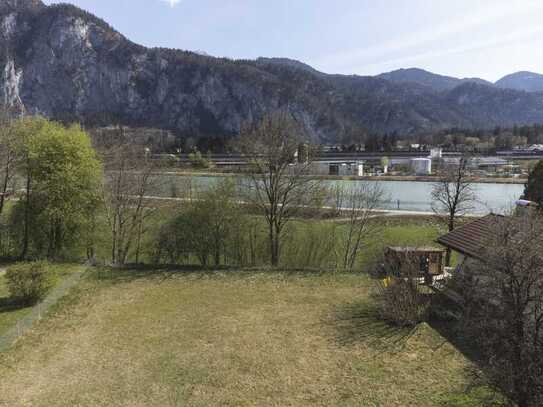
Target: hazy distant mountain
column 287, row 62
column 431, row 80
column 481, row 105
column 65, row 63
column 527, row 81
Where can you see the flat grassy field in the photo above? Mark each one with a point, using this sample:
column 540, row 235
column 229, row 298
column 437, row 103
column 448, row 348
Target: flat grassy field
column 252, row 338
column 317, row 244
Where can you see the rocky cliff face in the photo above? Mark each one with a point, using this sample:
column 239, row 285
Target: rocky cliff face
column 67, row 64
column 64, row 63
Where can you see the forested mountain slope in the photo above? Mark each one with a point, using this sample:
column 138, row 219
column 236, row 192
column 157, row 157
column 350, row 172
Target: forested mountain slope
column 67, row 64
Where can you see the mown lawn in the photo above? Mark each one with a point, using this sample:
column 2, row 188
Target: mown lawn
column 229, row 338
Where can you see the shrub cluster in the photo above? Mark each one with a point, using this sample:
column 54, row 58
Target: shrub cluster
column 400, row 295
column 197, row 160
column 29, row 282
column 401, row 302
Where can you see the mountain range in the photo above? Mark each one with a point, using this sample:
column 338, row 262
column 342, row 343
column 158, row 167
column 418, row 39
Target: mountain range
column 67, row 64
column 524, row 81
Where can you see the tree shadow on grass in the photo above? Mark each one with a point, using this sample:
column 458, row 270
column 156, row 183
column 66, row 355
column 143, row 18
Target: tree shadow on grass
column 130, row 273
column 133, row 272
column 445, row 320
column 478, row 390
column 360, row 323
column 452, row 334
column 9, row 305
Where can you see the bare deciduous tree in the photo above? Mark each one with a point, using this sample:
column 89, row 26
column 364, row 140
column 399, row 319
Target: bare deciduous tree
column 358, row 203
column 453, row 194
column 129, row 177
column 279, row 186
column 504, row 308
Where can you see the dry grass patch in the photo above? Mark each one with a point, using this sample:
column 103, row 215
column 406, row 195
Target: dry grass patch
column 176, row 339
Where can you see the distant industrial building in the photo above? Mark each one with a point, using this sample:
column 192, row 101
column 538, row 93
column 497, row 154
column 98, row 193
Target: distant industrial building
column 421, row 166
column 340, row 168
column 485, row 164
column 533, row 150
column 490, row 164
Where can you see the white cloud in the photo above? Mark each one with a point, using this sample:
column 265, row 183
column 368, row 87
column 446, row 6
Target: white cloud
column 413, row 42
column 172, row 3
column 514, row 38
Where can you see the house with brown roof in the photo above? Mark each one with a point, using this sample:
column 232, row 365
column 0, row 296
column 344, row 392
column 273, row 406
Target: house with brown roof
column 470, row 240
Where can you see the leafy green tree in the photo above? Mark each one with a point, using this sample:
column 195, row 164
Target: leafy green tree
column 8, row 157
column 207, row 229
column 385, row 161
column 533, row 189
column 197, row 160
column 24, row 130
column 63, row 175
column 217, row 211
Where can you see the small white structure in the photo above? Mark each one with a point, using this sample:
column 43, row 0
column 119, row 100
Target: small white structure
column 346, row 169
column 341, row 168
column 436, row 153
column 421, row 166
column 535, row 147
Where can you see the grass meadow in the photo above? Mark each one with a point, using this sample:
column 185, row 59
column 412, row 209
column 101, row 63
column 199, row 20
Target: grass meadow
column 186, row 336
column 240, row 338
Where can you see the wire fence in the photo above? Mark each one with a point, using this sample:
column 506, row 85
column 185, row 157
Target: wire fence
column 38, row 311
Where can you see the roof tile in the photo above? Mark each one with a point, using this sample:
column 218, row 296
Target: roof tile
column 471, row 238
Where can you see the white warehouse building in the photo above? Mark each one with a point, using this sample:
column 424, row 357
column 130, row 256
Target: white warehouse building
column 421, row 166
column 342, row 168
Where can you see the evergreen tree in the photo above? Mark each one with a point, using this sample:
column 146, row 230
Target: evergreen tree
column 533, row 189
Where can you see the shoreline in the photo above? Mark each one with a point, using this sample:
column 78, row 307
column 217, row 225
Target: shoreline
column 376, row 213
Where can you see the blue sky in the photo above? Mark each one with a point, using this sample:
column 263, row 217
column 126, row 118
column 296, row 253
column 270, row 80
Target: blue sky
column 465, row 38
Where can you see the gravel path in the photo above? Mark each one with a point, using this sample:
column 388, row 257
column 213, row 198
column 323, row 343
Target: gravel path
column 25, row 323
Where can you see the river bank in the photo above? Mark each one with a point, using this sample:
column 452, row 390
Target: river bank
column 404, row 195
column 397, row 178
